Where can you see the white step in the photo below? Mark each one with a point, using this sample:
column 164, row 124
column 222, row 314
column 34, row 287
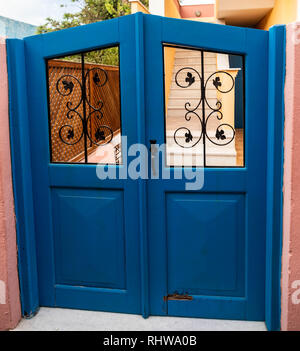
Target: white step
column 196, row 66
column 226, row 151
column 183, row 75
column 182, row 81
column 195, row 60
column 194, row 123
column 195, row 53
column 196, row 85
column 178, row 114
column 190, row 93
column 180, row 138
column 215, row 156
column 180, row 103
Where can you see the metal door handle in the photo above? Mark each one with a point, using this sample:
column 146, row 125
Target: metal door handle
column 153, row 150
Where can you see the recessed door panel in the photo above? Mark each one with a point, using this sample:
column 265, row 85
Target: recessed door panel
column 206, row 244
column 89, row 238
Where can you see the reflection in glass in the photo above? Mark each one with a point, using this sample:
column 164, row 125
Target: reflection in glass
column 204, row 99
column 84, row 107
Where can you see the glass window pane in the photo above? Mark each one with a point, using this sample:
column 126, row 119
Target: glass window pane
column 204, row 102
column 84, row 107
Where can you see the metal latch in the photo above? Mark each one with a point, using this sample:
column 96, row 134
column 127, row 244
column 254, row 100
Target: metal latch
column 178, row 297
column 154, row 151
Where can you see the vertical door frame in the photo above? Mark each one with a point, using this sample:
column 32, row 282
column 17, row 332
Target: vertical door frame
column 140, row 83
column 277, row 41
column 22, row 176
column 22, row 172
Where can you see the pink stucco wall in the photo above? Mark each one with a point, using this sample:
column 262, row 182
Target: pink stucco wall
column 291, row 211
column 188, row 11
column 9, row 285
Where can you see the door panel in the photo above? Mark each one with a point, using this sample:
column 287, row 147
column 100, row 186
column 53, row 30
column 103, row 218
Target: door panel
column 208, row 244
column 87, row 237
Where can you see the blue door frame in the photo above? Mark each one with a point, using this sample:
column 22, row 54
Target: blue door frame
column 136, row 27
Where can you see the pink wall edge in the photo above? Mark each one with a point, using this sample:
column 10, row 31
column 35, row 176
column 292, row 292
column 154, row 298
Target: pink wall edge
column 290, row 312
column 10, row 311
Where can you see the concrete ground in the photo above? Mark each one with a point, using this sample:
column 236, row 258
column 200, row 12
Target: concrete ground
column 56, row 319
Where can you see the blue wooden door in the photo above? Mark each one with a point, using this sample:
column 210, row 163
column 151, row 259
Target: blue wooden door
column 207, row 246
column 152, row 246
column 86, row 228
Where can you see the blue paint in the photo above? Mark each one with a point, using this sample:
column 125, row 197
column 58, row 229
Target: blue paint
column 206, row 254
column 22, row 176
column 212, row 219
column 57, row 284
column 83, row 254
column 172, row 212
column 10, row 28
column 140, row 59
column 143, row 252
column 275, row 175
column 236, row 61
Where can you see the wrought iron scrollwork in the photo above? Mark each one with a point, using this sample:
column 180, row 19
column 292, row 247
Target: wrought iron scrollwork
column 224, row 133
column 92, row 129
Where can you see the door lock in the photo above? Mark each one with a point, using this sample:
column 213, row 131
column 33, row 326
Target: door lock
column 153, row 151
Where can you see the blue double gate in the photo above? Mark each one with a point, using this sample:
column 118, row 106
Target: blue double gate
column 144, row 246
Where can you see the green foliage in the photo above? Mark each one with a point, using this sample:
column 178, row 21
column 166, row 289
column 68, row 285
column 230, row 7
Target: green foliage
column 90, row 11
column 145, row 2
column 109, row 56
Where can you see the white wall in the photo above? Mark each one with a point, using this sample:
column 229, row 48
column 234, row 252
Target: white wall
column 157, row 7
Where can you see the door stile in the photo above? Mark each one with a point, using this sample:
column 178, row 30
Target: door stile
column 142, row 187
column 22, row 176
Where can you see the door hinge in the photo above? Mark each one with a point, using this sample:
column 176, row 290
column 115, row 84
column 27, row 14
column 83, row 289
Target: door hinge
column 178, row 297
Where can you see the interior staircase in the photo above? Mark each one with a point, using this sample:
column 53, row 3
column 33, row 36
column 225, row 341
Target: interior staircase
column 178, row 97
